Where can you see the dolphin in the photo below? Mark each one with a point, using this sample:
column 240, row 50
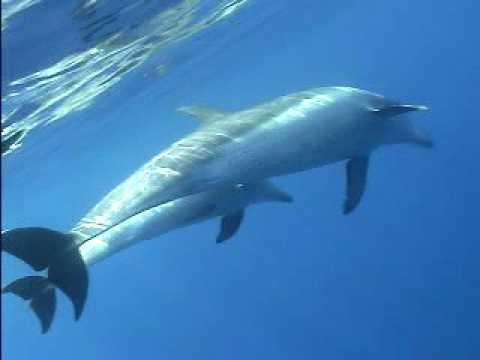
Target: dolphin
column 292, row 133
column 289, row 134
column 228, row 203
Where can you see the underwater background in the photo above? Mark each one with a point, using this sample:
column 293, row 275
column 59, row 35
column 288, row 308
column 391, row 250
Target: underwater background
column 89, row 91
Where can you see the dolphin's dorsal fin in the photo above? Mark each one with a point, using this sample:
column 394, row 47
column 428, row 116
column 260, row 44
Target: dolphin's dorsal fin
column 230, row 225
column 389, row 110
column 203, row 114
column 357, row 169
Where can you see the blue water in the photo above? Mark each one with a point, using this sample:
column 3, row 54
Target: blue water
column 397, row 279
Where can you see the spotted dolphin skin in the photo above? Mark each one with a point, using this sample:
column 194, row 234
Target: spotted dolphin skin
column 292, row 133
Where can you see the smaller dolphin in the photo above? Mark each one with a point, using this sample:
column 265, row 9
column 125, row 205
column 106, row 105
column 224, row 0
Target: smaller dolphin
column 67, row 269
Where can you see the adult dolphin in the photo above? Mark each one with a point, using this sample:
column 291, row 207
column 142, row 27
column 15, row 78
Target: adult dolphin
column 69, row 272
column 290, row 134
column 286, row 135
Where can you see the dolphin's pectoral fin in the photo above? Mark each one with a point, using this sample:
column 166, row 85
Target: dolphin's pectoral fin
column 230, row 225
column 389, row 110
column 357, row 169
column 203, row 114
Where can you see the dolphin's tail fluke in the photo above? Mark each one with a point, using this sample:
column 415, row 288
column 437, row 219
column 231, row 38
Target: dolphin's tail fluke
column 45, row 249
column 41, row 295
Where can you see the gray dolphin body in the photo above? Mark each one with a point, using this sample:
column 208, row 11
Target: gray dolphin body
column 290, row 134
